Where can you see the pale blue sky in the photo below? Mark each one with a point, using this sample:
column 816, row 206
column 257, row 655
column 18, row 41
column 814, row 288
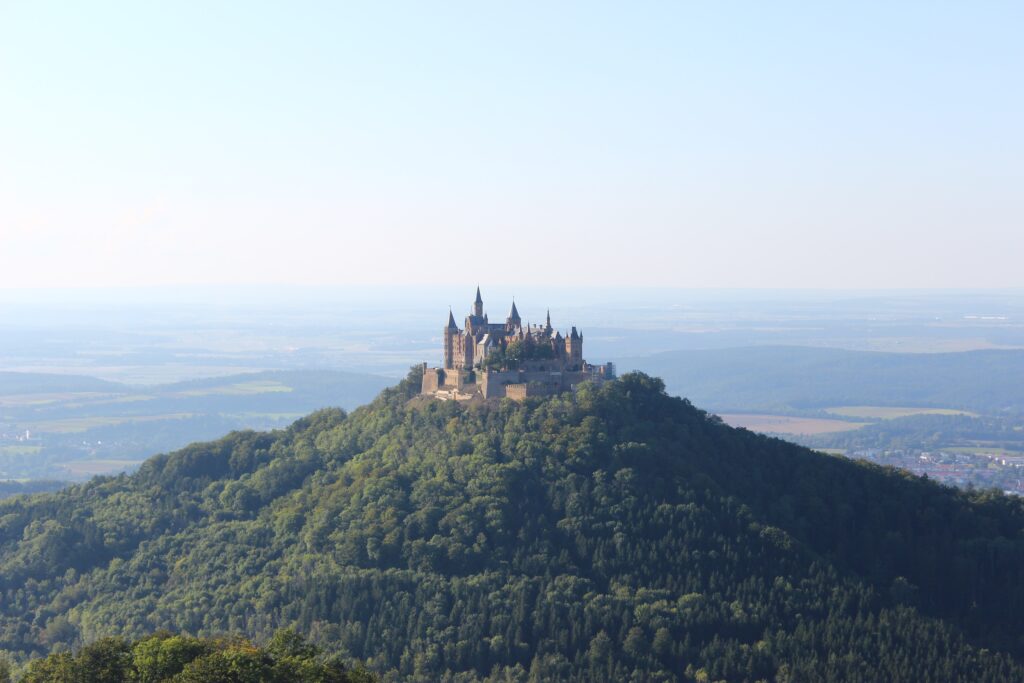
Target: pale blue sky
column 716, row 144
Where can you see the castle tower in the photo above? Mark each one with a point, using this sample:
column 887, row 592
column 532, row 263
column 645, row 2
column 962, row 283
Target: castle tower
column 574, row 348
column 450, row 333
column 478, row 305
column 468, row 351
column 558, row 345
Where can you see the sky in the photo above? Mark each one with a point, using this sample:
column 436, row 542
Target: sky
column 714, row 144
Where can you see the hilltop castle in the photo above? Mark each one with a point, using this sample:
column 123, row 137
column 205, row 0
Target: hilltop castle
column 508, row 359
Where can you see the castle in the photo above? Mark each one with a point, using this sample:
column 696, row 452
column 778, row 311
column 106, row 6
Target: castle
column 508, row 359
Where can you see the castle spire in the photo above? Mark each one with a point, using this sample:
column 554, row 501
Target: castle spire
column 513, row 315
column 451, row 320
column 547, row 327
column 478, row 304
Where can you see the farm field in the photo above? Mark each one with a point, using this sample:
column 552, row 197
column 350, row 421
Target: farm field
column 788, row 424
column 891, row 412
column 78, row 469
column 17, row 449
column 985, row 450
column 77, row 425
column 240, row 389
column 273, row 417
column 29, row 400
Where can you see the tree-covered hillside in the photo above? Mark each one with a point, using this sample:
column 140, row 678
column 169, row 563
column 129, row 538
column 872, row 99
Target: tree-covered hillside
column 612, row 534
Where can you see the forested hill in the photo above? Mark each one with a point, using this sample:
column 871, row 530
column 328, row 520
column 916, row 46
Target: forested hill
column 615, row 534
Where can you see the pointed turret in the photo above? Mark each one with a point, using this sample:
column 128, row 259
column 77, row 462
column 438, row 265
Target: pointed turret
column 547, row 326
column 478, row 304
column 513, row 315
column 575, row 334
column 451, row 331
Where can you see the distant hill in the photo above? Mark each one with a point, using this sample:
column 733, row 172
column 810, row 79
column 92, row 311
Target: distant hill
column 14, row 488
column 45, row 383
column 613, row 534
column 780, row 378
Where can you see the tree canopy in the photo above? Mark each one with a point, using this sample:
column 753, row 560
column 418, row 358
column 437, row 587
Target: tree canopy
column 167, row 658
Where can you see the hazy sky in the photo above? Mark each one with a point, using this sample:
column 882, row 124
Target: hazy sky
column 718, row 144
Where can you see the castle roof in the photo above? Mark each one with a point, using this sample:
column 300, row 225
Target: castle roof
column 451, row 321
column 514, row 314
column 478, row 299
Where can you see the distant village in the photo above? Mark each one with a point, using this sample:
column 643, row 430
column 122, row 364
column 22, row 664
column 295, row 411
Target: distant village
column 962, row 467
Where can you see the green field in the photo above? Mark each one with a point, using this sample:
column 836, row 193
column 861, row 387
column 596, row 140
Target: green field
column 787, row 424
column 240, row 389
column 16, row 449
column 985, row 450
column 116, row 400
column 90, row 468
column 74, row 425
column 43, row 399
column 291, row 417
column 891, row 412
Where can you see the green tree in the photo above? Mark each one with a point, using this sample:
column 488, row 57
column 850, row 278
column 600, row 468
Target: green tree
column 662, row 645
column 600, row 650
column 635, row 644
column 57, row 668
column 107, row 659
column 163, row 655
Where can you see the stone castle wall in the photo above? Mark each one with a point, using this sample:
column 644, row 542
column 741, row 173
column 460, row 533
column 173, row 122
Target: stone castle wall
column 433, row 379
column 516, row 392
column 492, row 383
